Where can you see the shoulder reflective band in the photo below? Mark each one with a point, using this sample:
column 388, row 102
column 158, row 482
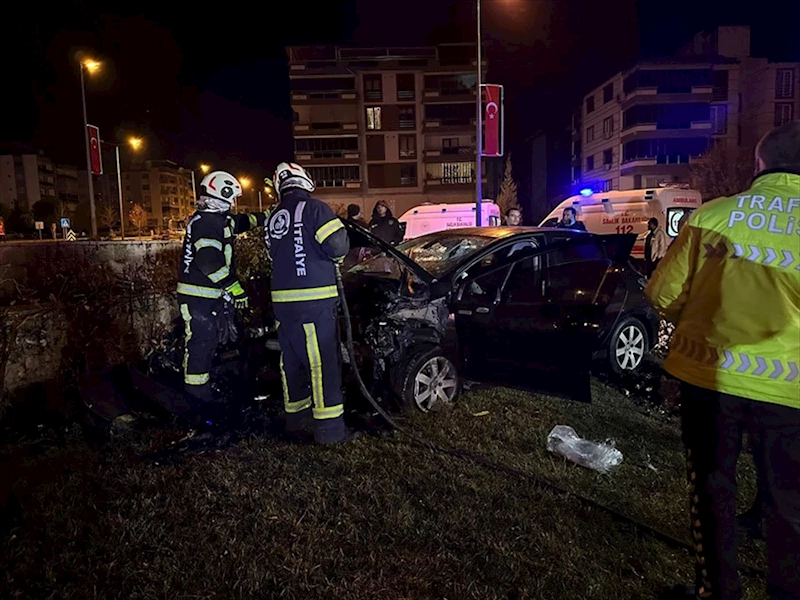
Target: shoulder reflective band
column 253, row 220
column 324, row 232
column 306, row 295
column 208, row 243
column 198, row 291
column 227, row 232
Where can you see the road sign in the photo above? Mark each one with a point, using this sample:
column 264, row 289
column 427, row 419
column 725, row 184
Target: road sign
column 94, row 149
column 71, row 237
column 39, row 225
column 64, row 223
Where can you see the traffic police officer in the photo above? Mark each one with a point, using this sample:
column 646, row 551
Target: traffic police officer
column 731, row 283
column 208, row 290
column 306, row 241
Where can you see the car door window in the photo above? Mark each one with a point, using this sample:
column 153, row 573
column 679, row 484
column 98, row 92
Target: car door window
column 524, row 282
column 485, row 288
column 574, row 273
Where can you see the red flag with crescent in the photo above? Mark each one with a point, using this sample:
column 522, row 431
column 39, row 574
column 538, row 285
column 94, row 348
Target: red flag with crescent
column 95, row 160
column 491, row 120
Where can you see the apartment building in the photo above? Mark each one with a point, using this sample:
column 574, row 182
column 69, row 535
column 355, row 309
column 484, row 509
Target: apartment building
column 393, row 124
column 163, row 189
column 646, row 125
column 25, row 179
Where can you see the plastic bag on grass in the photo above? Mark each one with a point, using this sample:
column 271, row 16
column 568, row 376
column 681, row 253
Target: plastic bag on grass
column 564, row 440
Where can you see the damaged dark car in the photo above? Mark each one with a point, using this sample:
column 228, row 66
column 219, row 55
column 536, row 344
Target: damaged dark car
column 534, row 308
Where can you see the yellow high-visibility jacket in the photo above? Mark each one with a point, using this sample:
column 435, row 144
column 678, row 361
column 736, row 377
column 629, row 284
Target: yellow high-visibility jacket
column 731, row 284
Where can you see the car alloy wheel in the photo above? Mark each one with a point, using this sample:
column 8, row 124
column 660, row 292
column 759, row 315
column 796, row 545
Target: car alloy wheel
column 436, row 381
column 630, row 347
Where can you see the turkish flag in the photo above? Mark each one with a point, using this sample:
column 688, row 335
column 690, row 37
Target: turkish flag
column 491, row 120
column 95, row 160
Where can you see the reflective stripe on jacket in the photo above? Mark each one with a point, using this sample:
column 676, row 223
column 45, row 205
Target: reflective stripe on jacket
column 305, row 239
column 731, row 283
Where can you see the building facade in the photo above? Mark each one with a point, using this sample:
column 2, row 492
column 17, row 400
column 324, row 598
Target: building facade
column 392, row 124
column 26, row 179
column 645, row 126
column 163, row 189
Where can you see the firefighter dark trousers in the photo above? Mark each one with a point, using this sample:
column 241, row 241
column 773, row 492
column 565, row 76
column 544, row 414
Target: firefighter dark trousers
column 201, row 338
column 713, row 424
column 311, row 368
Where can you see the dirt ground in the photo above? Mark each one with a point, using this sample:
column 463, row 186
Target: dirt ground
column 378, row 518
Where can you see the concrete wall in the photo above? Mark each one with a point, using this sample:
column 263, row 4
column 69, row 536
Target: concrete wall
column 36, row 354
column 18, row 259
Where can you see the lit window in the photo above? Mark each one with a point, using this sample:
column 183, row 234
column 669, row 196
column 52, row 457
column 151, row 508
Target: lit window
column 374, row 117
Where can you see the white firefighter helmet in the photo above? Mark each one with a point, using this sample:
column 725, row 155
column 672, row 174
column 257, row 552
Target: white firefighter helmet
column 288, row 175
column 221, row 185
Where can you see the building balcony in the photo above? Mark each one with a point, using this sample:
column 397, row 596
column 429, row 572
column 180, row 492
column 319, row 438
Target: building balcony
column 452, row 154
column 652, row 131
column 373, row 95
column 338, row 187
column 329, row 97
column 406, row 95
column 451, row 183
column 408, row 154
column 448, row 96
column 329, row 157
column 449, row 125
column 303, row 129
column 660, row 162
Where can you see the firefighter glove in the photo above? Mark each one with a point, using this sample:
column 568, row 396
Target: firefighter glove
column 238, row 295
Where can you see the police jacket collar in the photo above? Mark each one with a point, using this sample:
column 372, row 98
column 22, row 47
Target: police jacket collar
column 781, row 171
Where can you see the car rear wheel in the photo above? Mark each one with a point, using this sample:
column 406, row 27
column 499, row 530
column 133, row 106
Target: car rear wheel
column 628, row 346
column 429, row 381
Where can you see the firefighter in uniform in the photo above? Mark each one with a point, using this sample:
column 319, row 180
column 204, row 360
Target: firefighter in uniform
column 208, row 290
column 306, row 242
column 731, row 283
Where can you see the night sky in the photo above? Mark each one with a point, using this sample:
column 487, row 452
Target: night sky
column 212, row 85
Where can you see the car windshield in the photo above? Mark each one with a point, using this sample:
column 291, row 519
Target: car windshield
column 435, row 253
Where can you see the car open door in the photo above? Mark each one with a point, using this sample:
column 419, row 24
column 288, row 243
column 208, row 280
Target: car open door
column 548, row 316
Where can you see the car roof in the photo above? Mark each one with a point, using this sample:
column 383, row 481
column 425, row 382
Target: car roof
column 500, row 232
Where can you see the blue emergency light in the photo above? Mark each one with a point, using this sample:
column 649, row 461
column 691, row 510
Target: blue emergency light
column 586, row 192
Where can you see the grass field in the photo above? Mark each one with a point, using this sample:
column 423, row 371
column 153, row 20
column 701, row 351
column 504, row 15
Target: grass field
column 380, row 518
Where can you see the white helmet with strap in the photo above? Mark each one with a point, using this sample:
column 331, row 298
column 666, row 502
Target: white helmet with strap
column 289, row 175
column 221, row 185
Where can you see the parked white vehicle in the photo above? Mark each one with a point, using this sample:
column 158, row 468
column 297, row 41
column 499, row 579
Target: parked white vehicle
column 628, row 211
column 430, row 218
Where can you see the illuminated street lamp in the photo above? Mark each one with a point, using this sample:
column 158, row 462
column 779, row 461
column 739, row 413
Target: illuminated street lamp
column 136, row 144
column 205, row 168
column 245, row 181
column 90, row 66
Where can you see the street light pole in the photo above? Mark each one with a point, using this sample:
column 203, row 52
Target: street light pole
column 259, row 202
column 119, row 189
column 479, row 126
column 92, row 212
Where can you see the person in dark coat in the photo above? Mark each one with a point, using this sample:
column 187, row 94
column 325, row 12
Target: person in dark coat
column 384, row 225
column 354, row 215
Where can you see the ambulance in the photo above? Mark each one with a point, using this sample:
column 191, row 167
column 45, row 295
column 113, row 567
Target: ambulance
column 628, row 211
column 430, row 218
